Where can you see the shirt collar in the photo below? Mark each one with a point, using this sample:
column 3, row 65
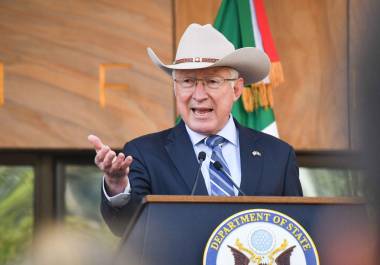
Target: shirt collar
column 229, row 132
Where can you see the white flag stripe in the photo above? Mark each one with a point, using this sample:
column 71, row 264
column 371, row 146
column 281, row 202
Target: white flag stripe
column 271, row 129
column 255, row 26
column 257, row 33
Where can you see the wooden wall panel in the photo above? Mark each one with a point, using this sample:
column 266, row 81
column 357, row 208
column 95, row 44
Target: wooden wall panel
column 194, row 11
column 311, row 106
column 364, row 57
column 51, row 52
column 311, row 37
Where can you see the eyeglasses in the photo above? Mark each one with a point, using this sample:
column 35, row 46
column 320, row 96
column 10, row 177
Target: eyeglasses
column 212, row 82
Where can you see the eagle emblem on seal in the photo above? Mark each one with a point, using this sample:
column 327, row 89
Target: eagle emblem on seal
column 278, row 256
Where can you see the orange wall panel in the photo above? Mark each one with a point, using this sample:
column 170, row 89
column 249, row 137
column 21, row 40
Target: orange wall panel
column 311, row 107
column 51, row 52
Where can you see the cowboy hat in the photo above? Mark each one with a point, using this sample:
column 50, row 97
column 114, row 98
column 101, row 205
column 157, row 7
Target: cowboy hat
column 205, row 47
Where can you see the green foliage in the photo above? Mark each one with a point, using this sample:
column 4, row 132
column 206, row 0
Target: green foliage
column 82, row 192
column 16, row 212
column 82, row 201
column 331, row 182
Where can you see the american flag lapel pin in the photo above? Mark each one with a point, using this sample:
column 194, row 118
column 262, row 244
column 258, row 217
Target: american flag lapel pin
column 256, row 153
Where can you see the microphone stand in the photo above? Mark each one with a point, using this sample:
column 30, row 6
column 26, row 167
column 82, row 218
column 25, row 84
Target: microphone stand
column 201, row 158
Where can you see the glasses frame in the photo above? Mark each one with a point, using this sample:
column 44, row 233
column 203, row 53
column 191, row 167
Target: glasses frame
column 204, row 82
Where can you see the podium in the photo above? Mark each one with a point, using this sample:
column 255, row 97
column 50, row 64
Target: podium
column 174, row 230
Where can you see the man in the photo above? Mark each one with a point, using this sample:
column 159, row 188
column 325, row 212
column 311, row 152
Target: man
column 209, row 76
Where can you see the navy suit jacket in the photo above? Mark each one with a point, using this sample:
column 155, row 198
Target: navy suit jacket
column 165, row 163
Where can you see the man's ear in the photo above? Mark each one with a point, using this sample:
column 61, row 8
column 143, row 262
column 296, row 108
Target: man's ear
column 238, row 88
column 174, row 84
column 174, row 88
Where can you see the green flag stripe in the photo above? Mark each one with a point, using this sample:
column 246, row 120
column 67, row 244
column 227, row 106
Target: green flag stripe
column 234, row 20
column 245, row 19
column 227, row 23
column 222, row 12
column 258, row 119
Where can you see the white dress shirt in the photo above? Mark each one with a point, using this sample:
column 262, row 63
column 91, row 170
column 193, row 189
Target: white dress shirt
column 230, row 150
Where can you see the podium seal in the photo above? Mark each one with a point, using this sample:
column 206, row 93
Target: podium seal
column 260, row 237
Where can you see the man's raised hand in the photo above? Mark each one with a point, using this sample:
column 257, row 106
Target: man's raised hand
column 115, row 167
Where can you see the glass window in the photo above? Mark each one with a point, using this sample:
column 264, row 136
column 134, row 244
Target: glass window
column 16, row 212
column 326, row 182
column 82, row 201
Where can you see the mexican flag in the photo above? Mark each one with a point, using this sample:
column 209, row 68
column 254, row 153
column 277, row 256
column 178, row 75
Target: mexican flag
column 245, row 24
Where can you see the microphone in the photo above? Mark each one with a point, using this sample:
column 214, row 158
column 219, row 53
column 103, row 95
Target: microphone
column 201, row 158
column 219, row 167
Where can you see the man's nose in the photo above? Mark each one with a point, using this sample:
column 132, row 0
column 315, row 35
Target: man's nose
column 199, row 89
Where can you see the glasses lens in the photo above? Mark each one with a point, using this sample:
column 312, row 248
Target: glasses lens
column 214, row 82
column 187, row 82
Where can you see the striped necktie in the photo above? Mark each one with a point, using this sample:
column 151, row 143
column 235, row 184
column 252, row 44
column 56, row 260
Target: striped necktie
column 220, row 183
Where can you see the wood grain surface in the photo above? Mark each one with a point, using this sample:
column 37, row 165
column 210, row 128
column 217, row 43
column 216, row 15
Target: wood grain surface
column 251, row 199
column 362, row 38
column 193, row 11
column 51, row 52
column 311, row 107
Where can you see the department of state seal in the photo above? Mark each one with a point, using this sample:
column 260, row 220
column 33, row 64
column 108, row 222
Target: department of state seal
column 260, row 237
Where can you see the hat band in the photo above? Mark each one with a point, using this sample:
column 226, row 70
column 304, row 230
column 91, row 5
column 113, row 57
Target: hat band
column 196, row 60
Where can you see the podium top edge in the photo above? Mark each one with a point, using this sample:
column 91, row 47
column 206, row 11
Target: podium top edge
column 252, row 199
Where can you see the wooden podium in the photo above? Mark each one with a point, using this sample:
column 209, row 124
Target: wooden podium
column 174, row 230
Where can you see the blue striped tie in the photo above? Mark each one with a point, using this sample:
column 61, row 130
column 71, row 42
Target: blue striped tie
column 220, row 184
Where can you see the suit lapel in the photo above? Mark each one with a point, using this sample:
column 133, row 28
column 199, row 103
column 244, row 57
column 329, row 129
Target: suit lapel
column 181, row 152
column 251, row 166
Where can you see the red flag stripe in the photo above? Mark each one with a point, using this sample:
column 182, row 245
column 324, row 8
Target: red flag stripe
column 266, row 35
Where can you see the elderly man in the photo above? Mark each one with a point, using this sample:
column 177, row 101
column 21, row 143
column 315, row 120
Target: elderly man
column 209, row 76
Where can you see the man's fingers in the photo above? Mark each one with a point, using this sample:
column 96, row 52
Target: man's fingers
column 107, row 162
column 106, row 159
column 96, row 142
column 129, row 160
column 119, row 166
column 117, row 161
column 114, row 166
column 126, row 163
column 99, row 158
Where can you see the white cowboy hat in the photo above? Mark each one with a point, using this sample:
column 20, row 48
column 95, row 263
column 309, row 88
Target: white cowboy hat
column 204, row 47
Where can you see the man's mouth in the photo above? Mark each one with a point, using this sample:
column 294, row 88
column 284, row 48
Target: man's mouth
column 201, row 111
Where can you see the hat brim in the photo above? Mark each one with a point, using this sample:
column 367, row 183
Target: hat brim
column 251, row 63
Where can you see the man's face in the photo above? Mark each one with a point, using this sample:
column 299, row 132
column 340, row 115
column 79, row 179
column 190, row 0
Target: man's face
column 206, row 110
